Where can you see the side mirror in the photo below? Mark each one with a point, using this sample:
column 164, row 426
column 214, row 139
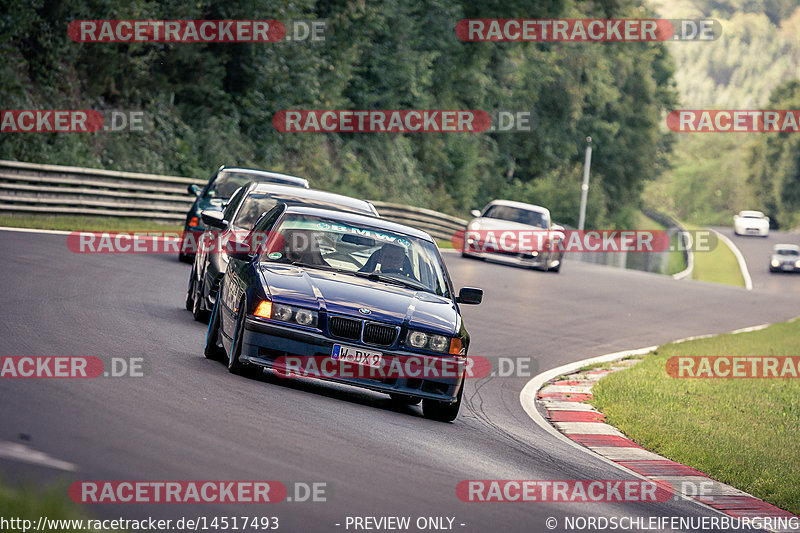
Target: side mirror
column 241, row 256
column 475, row 213
column 214, row 219
column 470, row 296
column 194, row 189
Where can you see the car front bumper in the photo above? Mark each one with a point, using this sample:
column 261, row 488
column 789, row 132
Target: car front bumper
column 784, row 267
column 541, row 260
column 269, row 345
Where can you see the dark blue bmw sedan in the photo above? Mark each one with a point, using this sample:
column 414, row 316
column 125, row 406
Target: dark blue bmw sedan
column 346, row 298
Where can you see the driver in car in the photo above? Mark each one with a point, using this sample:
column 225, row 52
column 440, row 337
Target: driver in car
column 389, row 259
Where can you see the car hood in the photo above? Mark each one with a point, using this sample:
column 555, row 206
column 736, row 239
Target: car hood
column 341, row 293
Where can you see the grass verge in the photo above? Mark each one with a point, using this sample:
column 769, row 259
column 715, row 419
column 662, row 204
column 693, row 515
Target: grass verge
column 717, row 266
column 743, row 432
column 84, row 223
column 29, row 502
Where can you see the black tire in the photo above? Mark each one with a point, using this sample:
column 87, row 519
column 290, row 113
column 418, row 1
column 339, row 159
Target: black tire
column 200, row 314
column 556, row 269
column 402, row 399
column 442, row 411
column 212, row 351
column 235, row 366
column 185, row 258
column 190, row 292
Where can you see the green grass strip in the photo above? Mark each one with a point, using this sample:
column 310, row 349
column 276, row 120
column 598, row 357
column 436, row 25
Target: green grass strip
column 30, row 502
column 743, row 432
column 717, row 266
column 84, row 223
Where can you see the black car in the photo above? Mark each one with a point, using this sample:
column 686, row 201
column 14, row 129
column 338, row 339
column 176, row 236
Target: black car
column 346, row 289
column 232, row 225
column 217, row 191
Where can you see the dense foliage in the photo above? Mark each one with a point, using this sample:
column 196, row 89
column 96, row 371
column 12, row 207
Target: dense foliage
column 759, row 50
column 775, row 163
column 209, row 104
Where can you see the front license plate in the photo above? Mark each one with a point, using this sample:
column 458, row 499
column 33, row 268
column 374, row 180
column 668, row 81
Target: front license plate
column 358, row 356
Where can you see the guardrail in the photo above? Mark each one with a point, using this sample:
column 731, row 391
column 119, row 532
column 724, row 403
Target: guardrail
column 438, row 224
column 62, row 190
column 674, row 228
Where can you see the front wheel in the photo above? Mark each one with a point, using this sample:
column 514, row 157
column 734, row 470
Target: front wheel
column 200, row 314
column 190, row 292
column 213, row 350
column 235, row 366
column 442, row 411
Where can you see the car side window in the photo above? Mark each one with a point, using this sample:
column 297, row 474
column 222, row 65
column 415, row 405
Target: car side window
column 268, row 218
column 233, row 204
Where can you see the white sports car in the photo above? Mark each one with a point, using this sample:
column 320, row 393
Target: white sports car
column 751, row 223
column 499, row 233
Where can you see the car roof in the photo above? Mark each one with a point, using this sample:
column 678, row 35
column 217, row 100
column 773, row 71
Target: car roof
column 312, row 194
column 794, row 247
column 751, row 214
column 354, row 218
column 519, row 205
column 268, row 174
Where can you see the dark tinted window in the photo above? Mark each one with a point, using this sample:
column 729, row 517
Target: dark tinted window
column 514, row 214
column 233, row 203
column 226, row 184
column 787, row 251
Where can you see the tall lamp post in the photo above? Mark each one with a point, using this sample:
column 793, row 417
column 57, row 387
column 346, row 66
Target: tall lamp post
column 585, row 186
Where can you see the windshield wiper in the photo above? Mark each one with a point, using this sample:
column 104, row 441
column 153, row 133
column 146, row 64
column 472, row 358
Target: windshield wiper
column 389, row 279
column 320, row 267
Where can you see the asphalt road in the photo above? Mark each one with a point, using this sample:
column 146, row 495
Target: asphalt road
column 756, row 252
column 189, row 419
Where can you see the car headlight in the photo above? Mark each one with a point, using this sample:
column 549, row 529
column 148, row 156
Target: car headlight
column 304, row 317
column 429, row 341
column 289, row 313
column 438, row 343
column 775, row 263
column 797, row 263
column 417, row 339
column 474, row 226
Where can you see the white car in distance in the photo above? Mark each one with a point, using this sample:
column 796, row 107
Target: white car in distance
column 751, row 223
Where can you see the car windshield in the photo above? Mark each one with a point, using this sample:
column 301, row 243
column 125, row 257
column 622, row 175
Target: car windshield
column 252, row 209
column 226, row 184
column 360, row 250
column 787, row 251
column 514, row 214
column 753, row 215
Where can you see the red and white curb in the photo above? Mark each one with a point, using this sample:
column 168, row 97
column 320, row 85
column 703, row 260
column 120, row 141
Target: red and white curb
column 562, row 394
